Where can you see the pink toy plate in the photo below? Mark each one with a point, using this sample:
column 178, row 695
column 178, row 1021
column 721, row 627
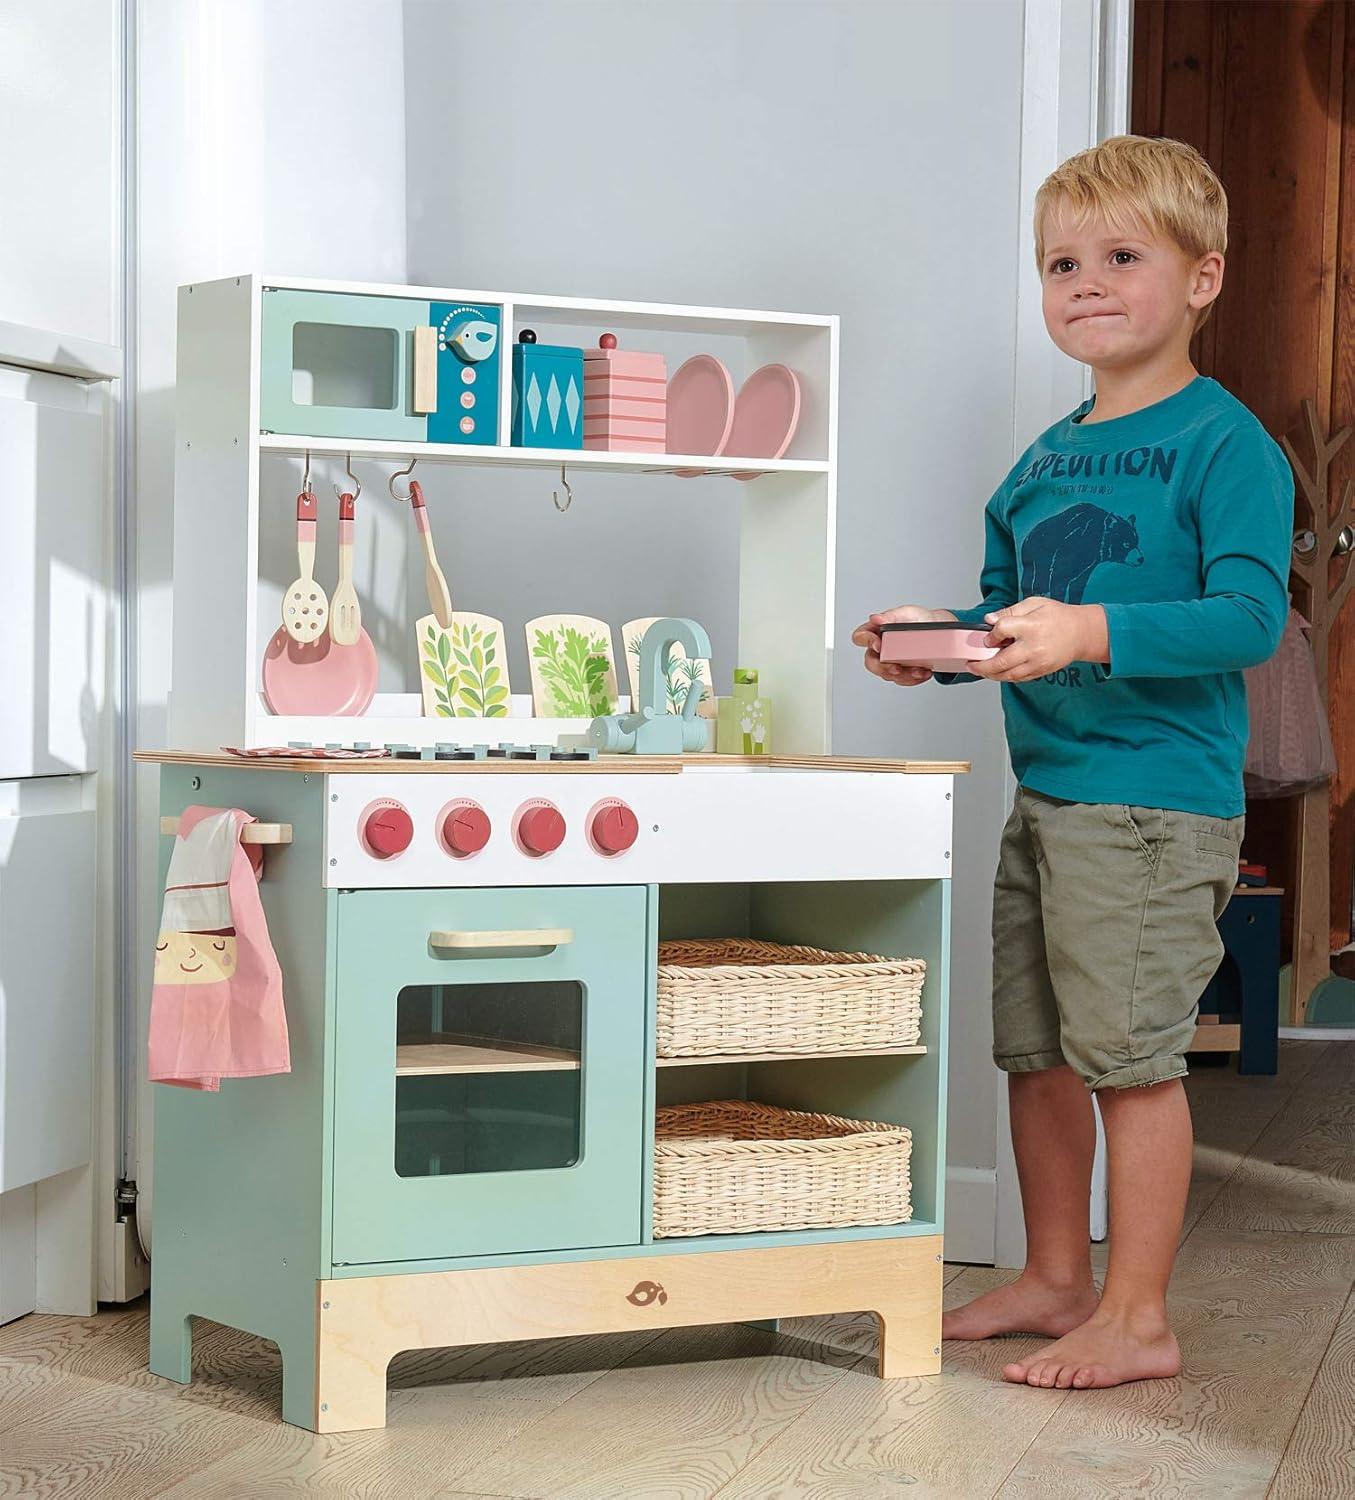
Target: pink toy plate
column 318, row 677
column 700, row 408
column 766, row 415
column 938, row 645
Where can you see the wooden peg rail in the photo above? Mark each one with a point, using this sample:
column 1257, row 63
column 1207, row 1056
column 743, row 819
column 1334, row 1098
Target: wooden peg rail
column 253, row 833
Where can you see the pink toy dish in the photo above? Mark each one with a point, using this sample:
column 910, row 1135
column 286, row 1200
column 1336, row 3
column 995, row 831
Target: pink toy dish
column 766, row 414
column 938, row 645
column 319, row 677
column 700, row 409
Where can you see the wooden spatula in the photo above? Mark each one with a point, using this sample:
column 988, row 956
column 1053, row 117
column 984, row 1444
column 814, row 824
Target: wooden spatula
column 439, row 599
column 345, row 624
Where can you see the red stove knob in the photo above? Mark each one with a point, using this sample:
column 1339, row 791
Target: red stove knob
column 465, row 829
column 386, row 830
column 614, row 828
column 541, row 828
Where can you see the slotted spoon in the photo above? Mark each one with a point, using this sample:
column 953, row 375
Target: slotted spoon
column 305, row 610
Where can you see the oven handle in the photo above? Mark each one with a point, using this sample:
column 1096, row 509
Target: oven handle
column 528, row 937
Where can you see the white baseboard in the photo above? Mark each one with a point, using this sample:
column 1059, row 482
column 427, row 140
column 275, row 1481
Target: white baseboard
column 971, row 1214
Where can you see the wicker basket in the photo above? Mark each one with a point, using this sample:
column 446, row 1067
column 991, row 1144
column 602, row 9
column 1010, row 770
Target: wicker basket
column 735, row 1168
column 725, row 996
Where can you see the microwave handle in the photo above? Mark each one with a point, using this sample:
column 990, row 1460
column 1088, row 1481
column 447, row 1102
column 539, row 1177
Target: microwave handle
column 540, row 937
column 425, row 370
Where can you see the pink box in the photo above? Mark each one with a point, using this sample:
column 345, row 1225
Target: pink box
column 625, row 399
column 939, row 645
column 624, row 406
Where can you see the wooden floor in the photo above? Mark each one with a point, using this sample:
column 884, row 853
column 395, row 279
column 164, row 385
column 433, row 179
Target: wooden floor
column 1262, row 1302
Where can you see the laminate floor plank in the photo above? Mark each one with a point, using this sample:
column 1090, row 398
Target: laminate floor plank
column 677, row 1424
column 1254, row 1314
column 1320, row 1458
column 1299, row 1174
column 957, row 1435
column 72, row 1436
column 1262, row 1299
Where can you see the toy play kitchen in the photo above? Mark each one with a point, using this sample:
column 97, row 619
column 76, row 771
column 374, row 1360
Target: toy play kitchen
column 593, row 1027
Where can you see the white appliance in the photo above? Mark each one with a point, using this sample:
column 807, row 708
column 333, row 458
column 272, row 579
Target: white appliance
column 55, row 534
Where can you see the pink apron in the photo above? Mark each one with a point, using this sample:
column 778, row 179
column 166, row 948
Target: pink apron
column 216, row 1009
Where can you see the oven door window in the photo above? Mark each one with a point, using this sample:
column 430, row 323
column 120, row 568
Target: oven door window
column 488, row 1078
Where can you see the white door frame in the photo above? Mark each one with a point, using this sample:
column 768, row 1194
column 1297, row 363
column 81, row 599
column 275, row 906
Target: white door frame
column 1075, row 91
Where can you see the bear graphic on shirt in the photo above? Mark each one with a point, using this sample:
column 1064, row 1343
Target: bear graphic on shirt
column 1059, row 555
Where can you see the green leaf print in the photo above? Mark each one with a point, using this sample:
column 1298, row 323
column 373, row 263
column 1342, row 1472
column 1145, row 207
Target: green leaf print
column 573, row 669
column 475, row 654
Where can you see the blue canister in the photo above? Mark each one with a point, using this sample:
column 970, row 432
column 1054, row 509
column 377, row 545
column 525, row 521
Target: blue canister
column 547, row 394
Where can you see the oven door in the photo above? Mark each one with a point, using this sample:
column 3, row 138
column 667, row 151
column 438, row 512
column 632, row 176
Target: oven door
column 341, row 365
column 489, row 1071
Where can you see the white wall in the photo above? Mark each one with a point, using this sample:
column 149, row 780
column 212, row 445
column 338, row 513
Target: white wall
column 60, row 270
column 271, row 139
column 59, row 106
column 832, row 156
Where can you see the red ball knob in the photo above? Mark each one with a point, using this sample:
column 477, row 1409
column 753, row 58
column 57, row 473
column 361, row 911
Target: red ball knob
column 614, row 828
column 607, row 341
column 465, row 830
column 541, row 829
column 387, row 831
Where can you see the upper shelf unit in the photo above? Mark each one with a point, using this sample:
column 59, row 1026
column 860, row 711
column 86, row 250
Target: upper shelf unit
column 494, row 377
column 273, row 368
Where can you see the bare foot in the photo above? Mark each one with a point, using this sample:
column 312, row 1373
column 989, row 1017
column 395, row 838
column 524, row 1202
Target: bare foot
column 1026, row 1305
column 1106, row 1350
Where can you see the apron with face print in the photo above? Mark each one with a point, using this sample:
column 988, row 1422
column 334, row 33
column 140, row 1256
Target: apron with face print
column 216, row 1009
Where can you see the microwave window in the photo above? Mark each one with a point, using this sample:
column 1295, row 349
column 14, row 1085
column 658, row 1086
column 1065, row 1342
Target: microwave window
column 338, row 364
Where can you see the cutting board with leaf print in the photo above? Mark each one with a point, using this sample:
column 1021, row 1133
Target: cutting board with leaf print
column 463, row 670
column 573, row 670
column 680, row 671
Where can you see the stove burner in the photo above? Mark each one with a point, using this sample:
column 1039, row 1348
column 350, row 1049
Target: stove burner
column 449, row 752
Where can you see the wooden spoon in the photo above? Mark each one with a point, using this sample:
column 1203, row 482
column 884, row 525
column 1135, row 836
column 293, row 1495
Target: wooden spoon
column 346, row 623
column 305, row 609
column 439, row 597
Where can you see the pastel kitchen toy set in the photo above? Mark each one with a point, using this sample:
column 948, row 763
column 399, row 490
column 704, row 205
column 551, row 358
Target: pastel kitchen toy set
column 590, row 1027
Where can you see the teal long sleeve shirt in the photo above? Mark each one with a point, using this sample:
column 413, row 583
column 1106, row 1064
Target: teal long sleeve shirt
column 1177, row 519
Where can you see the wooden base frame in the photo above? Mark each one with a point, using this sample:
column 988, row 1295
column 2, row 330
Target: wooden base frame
column 363, row 1322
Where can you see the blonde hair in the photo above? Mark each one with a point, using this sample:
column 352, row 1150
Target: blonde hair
column 1165, row 184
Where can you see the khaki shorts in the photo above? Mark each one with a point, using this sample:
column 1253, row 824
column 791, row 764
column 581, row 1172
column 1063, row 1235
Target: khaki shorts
column 1104, row 936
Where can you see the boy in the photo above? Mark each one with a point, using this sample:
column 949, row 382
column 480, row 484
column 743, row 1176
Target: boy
column 1136, row 561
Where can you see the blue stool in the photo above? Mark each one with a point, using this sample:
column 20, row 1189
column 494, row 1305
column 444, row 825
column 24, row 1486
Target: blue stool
column 1247, row 984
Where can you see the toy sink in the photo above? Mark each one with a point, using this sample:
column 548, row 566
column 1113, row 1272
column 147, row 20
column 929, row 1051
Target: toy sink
column 940, row 645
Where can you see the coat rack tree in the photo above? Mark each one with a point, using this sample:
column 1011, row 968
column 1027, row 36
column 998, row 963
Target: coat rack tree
column 1323, row 576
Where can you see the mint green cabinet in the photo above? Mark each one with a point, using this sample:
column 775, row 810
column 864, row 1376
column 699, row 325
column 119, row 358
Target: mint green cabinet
column 489, row 1068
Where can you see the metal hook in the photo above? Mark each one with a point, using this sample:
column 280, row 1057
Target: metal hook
column 306, row 481
column 400, row 474
column 357, row 483
column 569, row 493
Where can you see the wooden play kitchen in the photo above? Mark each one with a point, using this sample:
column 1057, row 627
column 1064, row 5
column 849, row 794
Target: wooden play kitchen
column 581, row 1041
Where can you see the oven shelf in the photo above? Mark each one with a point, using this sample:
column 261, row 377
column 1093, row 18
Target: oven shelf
column 451, row 1053
column 752, row 1057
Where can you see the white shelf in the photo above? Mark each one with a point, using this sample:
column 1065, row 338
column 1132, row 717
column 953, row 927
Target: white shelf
column 447, row 1053
column 578, row 459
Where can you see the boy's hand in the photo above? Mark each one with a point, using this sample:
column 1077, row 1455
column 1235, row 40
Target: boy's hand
column 867, row 634
column 1039, row 636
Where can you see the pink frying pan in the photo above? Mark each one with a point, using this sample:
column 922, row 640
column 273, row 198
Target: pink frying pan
column 318, row 678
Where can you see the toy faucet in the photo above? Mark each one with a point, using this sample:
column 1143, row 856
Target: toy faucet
column 650, row 729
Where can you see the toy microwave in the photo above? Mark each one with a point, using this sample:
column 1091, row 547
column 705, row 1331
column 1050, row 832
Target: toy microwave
column 351, row 365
